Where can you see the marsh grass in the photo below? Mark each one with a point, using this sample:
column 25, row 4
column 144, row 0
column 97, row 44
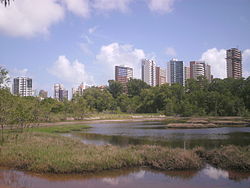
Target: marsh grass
column 60, row 128
column 49, row 153
column 52, row 153
column 227, row 157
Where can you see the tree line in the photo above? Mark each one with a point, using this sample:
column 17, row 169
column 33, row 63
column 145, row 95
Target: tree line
column 221, row 97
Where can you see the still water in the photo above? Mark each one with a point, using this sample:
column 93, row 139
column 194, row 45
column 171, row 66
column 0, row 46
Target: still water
column 207, row 178
column 154, row 133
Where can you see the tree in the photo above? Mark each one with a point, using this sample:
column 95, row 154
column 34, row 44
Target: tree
column 6, row 109
column 135, row 86
column 123, row 102
column 115, row 88
column 79, row 107
column 99, row 99
column 4, row 78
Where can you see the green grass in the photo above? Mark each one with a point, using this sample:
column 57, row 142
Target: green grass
column 107, row 116
column 51, row 153
column 60, row 128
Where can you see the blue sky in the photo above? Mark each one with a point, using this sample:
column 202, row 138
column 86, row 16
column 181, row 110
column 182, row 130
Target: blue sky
column 74, row 41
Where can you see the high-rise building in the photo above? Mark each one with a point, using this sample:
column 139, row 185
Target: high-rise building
column 186, row 73
column 123, row 75
column 63, row 95
column 79, row 90
column 160, row 76
column 22, row 86
column 208, row 74
column 149, row 72
column 60, row 93
column 200, row 68
column 175, row 73
column 43, row 94
column 234, row 63
column 197, row 68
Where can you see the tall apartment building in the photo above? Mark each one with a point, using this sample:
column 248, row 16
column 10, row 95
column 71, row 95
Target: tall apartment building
column 234, row 63
column 79, row 90
column 160, row 76
column 123, row 75
column 60, row 93
column 22, row 86
column 208, row 74
column 175, row 73
column 149, row 72
column 186, row 73
column 200, row 68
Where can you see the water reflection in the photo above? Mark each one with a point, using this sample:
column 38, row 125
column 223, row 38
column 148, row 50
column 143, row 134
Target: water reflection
column 215, row 173
column 208, row 177
column 240, row 139
column 140, row 133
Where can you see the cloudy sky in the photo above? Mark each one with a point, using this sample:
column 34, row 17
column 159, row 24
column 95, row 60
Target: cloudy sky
column 74, row 41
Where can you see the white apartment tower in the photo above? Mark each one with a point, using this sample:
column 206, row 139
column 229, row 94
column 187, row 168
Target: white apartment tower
column 60, row 93
column 79, row 90
column 200, row 68
column 22, row 86
column 149, row 72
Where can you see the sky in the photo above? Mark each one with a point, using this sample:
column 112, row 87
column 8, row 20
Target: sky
column 74, row 41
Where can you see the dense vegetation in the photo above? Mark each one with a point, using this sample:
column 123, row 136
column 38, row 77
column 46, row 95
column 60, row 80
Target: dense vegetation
column 228, row 97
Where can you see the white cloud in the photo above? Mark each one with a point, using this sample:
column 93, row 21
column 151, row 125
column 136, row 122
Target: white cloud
column 107, row 5
column 170, row 51
column 246, row 63
column 78, row 7
column 70, row 72
column 116, row 54
column 30, row 17
column 161, row 6
column 217, row 59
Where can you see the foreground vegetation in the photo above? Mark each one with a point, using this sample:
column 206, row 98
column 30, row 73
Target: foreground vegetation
column 47, row 153
column 50, row 153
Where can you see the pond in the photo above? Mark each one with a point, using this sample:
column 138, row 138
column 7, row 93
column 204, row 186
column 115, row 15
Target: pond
column 207, row 177
column 154, row 133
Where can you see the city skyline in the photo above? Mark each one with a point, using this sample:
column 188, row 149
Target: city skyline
column 153, row 75
column 75, row 44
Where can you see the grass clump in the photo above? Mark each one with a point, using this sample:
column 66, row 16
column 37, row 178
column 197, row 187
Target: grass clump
column 165, row 158
column 48, row 153
column 61, row 128
column 227, row 157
